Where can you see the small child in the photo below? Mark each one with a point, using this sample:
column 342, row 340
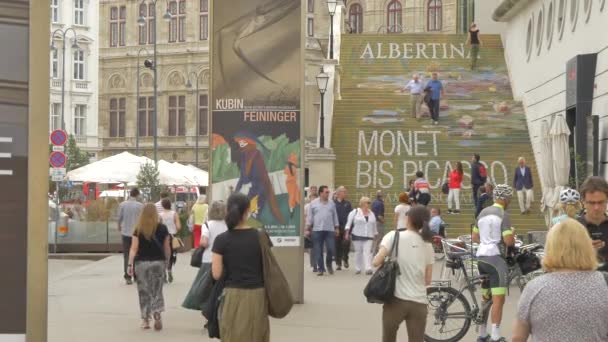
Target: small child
column 436, row 221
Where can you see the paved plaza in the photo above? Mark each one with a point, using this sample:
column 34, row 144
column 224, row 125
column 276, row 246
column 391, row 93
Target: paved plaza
column 88, row 301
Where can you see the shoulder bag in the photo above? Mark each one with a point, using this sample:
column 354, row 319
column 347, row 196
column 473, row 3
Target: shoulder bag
column 196, row 260
column 381, row 286
column 278, row 293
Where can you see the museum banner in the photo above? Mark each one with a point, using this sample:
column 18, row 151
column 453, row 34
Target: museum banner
column 255, row 122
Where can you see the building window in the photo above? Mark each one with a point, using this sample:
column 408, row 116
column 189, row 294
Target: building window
column 147, row 31
column 54, row 11
column 394, row 17
column 574, row 13
column 561, row 18
column 78, row 12
column 311, row 6
column 529, row 38
column 55, row 117
column 118, row 110
column 145, row 123
column 204, row 20
column 310, row 27
column 355, row 18
column 435, row 15
column 177, row 25
column 54, row 63
column 550, row 18
column 79, row 64
column 540, row 22
column 80, row 116
column 203, row 113
column 118, row 20
column 177, row 115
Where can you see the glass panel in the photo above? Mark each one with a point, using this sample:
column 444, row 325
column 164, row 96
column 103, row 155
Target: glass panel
column 182, row 122
column 204, row 5
column 202, row 126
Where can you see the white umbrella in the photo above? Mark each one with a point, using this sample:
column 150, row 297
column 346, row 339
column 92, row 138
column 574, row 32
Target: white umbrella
column 546, row 168
column 560, row 150
column 561, row 157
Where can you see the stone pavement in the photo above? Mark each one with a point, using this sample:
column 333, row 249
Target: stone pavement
column 90, row 302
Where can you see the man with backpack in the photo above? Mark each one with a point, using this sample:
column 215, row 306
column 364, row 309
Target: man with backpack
column 479, row 176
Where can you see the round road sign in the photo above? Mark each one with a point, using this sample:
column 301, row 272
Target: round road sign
column 57, row 159
column 59, row 137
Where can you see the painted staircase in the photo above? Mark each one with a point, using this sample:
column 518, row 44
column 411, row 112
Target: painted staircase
column 379, row 146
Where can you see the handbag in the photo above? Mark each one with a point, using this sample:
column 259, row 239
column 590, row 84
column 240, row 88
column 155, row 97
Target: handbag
column 381, row 286
column 211, row 312
column 278, row 292
column 196, row 259
column 177, row 244
column 445, row 188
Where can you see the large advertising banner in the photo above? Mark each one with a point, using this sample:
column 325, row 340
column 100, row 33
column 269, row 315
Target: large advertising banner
column 255, row 123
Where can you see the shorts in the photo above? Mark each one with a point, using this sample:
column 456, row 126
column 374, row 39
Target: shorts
column 495, row 267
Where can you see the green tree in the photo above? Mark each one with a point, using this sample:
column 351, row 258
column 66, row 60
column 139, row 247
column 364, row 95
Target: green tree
column 76, row 157
column 148, row 181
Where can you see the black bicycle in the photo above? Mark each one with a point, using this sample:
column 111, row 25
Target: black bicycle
column 450, row 312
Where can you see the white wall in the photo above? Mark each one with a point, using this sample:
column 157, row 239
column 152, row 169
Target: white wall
column 483, row 16
column 88, row 37
column 540, row 81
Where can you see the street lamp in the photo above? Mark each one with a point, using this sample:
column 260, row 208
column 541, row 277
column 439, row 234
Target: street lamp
column 152, row 66
column 54, row 48
column 137, row 124
column 331, row 7
column 197, row 111
column 322, row 80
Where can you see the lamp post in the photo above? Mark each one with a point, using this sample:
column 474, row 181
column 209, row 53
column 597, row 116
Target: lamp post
column 54, row 48
column 153, row 66
column 197, row 111
column 331, row 7
column 137, row 124
column 322, row 80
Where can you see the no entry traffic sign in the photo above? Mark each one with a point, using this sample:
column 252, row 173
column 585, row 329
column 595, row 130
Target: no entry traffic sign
column 57, row 159
column 59, row 137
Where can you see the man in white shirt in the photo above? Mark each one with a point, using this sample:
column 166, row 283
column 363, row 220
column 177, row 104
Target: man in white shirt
column 415, row 87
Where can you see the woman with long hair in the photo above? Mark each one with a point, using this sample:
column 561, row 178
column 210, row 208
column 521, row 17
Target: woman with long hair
column 171, row 220
column 454, row 184
column 570, row 301
column 569, row 205
column 415, row 257
column 148, row 258
column 401, row 210
column 361, row 228
column 198, row 217
column 237, row 257
column 195, row 299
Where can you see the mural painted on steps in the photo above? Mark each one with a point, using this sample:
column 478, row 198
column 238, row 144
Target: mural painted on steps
column 380, row 146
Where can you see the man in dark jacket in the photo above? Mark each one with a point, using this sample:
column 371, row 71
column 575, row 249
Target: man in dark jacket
column 378, row 210
column 522, row 182
column 477, row 180
column 343, row 207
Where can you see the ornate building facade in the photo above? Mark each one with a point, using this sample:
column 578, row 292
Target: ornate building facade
column 76, row 18
column 408, row 16
column 128, row 31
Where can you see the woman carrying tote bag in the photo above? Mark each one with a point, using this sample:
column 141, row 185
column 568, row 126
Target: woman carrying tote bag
column 415, row 258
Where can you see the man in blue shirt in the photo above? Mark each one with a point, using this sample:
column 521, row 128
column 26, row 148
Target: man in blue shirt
column 437, row 92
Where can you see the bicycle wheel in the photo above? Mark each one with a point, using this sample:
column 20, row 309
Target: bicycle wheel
column 449, row 315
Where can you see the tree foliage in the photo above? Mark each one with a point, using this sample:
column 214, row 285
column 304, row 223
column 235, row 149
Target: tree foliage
column 148, row 181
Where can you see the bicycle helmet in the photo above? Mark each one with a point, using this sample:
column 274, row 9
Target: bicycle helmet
column 569, row 196
column 502, row 192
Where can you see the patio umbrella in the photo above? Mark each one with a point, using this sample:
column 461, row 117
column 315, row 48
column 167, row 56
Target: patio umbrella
column 560, row 150
column 561, row 156
column 546, row 168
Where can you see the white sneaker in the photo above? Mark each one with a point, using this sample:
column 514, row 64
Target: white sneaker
column 436, row 122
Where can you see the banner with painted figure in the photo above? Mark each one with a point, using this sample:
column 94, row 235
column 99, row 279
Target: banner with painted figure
column 256, row 65
column 382, row 136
